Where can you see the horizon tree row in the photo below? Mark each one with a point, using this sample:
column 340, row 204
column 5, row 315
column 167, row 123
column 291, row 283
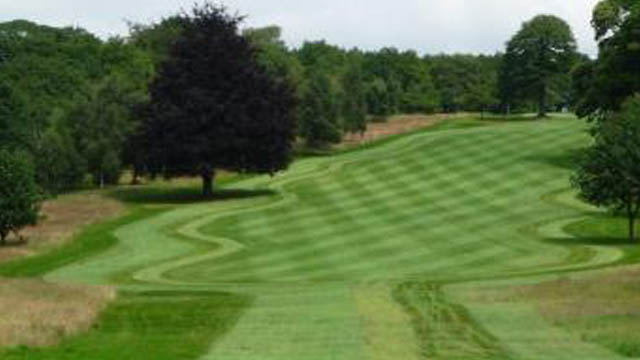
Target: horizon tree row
column 73, row 102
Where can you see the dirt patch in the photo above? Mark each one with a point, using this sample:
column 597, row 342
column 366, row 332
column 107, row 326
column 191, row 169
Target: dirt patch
column 39, row 314
column 395, row 125
column 61, row 219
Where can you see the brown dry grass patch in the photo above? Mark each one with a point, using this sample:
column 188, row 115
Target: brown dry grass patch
column 612, row 293
column 395, row 125
column 61, row 219
column 609, row 292
column 600, row 307
column 35, row 313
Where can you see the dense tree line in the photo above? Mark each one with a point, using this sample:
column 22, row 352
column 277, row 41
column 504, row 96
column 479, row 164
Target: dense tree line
column 67, row 99
column 74, row 102
column 341, row 90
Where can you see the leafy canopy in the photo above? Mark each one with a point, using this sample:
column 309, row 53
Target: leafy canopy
column 609, row 175
column 213, row 106
column 19, row 196
column 538, row 59
column 604, row 84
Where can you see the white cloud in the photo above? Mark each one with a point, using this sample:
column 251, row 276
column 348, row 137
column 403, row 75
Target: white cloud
column 429, row 26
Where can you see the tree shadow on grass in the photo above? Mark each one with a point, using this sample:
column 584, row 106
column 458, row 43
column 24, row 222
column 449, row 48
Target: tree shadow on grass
column 14, row 242
column 591, row 241
column 565, row 160
column 181, row 195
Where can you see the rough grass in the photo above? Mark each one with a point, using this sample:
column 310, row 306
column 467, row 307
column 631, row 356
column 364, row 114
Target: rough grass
column 158, row 325
column 446, row 330
column 600, row 307
column 61, row 219
column 37, row 314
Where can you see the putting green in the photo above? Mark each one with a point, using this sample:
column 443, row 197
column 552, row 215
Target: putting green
column 351, row 256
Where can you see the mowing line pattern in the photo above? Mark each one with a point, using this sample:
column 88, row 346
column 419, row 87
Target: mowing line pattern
column 440, row 207
column 437, row 207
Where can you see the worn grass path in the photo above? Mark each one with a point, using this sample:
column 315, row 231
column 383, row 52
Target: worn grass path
column 352, row 256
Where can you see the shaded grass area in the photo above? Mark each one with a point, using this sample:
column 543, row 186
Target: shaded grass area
column 604, row 230
column 610, row 230
column 154, row 325
column 182, row 195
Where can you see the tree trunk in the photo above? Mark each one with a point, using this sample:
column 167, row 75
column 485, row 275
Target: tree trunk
column 542, row 104
column 101, row 180
column 136, row 174
column 208, row 176
column 3, row 239
column 632, row 222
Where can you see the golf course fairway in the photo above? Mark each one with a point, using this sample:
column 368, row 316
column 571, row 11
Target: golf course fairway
column 408, row 249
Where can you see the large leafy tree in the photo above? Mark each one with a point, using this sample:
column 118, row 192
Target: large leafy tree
column 19, row 197
column 213, row 106
column 604, row 84
column 609, row 175
column 320, row 112
column 538, row 59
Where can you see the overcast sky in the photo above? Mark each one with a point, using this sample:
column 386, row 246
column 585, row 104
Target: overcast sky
column 428, row 26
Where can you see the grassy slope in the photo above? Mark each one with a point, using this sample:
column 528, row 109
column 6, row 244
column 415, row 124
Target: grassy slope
column 403, row 218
